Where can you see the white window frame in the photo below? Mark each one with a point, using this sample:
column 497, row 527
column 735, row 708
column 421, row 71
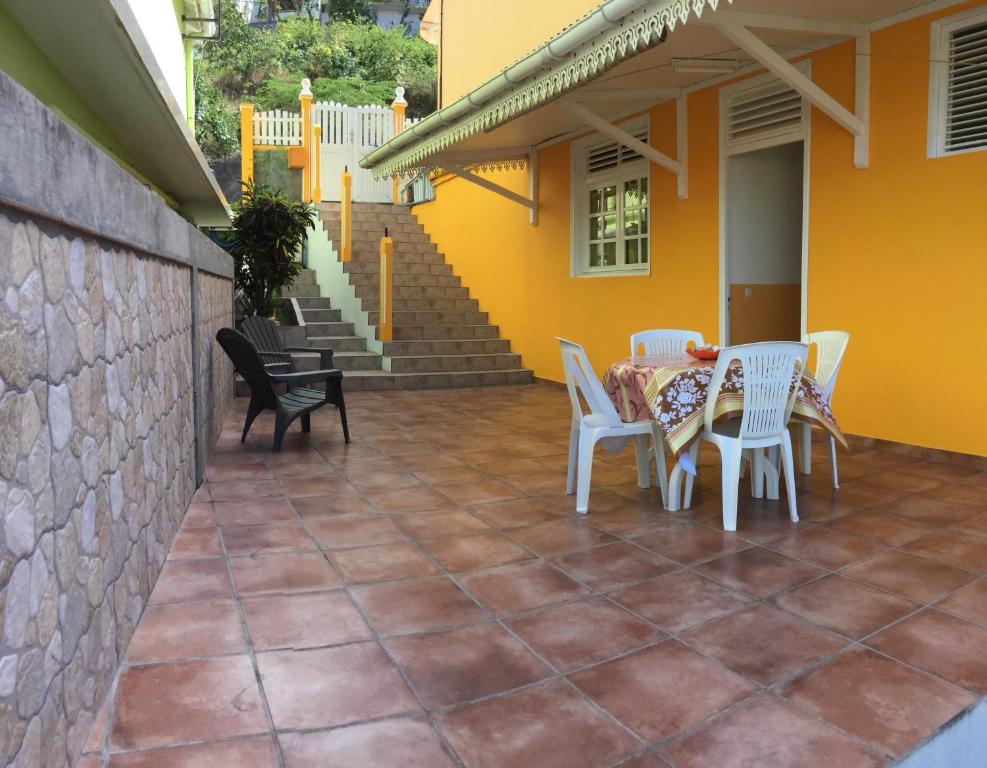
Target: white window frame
column 581, row 185
column 939, row 79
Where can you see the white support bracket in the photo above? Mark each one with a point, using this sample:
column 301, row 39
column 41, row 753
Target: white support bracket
column 682, row 144
column 835, row 27
column 788, row 73
column 861, row 143
column 458, row 170
column 624, row 138
column 533, row 186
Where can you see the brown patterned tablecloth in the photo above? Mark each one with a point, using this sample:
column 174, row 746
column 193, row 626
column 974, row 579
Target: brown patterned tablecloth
column 672, row 391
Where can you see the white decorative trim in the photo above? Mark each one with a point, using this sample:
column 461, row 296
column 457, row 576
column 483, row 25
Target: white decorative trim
column 641, row 30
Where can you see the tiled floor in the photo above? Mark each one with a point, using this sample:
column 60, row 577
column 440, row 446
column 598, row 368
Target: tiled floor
column 427, row 597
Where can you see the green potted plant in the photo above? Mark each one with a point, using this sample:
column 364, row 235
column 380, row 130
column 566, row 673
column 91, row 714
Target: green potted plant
column 269, row 229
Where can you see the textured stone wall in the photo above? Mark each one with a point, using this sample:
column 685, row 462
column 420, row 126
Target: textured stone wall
column 97, row 463
column 214, row 311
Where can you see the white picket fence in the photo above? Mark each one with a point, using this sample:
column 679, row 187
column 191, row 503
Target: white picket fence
column 347, row 134
column 278, row 128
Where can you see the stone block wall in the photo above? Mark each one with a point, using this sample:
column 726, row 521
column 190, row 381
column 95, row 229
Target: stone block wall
column 112, row 392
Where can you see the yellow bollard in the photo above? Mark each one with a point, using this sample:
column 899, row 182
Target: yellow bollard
column 246, row 142
column 305, row 101
column 384, row 327
column 345, row 216
column 317, row 161
column 399, row 106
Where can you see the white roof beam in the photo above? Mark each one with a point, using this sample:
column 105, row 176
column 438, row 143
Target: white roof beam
column 787, row 73
column 835, row 27
column 625, row 94
column 861, row 143
column 622, row 137
column 462, row 173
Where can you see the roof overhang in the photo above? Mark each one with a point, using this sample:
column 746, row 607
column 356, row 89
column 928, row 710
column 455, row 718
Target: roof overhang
column 99, row 48
column 621, row 59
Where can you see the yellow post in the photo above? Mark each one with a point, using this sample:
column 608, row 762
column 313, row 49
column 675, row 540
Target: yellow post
column 400, row 106
column 385, row 329
column 345, row 216
column 305, row 100
column 246, row 142
column 317, row 160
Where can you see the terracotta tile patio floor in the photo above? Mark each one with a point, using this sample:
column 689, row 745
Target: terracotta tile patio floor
column 426, row 596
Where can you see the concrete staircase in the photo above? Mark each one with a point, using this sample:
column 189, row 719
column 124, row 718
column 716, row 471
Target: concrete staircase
column 441, row 338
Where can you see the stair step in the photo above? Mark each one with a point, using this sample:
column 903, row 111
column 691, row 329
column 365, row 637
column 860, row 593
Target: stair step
column 431, row 318
column 314, row 302
column 445, row 332
column 301, row 290
column 447, row 347
column 338, row 343
column 320, row 315
column 400, row 268
column 344, row 361
column 384, row 380
column 372, row 301
column 328, row 329
column 360, row 279
column 454, row 363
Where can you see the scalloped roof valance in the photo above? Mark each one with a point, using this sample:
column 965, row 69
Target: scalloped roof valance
column 611, row 33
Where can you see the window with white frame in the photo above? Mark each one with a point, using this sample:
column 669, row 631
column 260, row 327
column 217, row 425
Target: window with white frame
column 958, row 84
column 610, row 212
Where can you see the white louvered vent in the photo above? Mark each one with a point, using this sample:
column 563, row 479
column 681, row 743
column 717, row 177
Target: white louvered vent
column 966, row 100
column 762, row 114
column 610, row 154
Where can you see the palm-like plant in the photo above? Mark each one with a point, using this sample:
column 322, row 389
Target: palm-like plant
column 269, row 230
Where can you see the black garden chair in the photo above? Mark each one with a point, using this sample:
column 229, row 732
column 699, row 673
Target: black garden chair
column 298, row 401
column 275, row 355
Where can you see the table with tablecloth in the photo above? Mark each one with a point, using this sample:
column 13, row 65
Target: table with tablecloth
column 673, row 390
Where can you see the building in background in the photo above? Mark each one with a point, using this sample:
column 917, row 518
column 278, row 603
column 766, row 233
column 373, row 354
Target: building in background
column 386, row 13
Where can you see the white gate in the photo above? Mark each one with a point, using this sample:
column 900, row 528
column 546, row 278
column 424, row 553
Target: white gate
column 349, row 133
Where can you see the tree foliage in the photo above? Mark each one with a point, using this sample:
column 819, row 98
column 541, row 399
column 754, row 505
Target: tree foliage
column 268, row 231
column 350, row 61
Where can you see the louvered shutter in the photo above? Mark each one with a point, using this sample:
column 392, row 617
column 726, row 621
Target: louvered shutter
column 966, row 99
column 767, row 113
column 610, row 154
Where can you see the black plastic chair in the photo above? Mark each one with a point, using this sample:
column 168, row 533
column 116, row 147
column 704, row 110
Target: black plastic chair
column 298, row 401
column 275, row 355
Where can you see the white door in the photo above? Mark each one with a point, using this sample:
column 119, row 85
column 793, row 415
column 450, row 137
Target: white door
column 349, row 133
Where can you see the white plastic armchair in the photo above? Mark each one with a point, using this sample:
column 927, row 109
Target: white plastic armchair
column 664, row 341
column 601, row 425
column 830, row 348
column 768, row 369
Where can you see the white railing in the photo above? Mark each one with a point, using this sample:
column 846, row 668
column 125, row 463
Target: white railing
column 277, row 128
column 367, row 126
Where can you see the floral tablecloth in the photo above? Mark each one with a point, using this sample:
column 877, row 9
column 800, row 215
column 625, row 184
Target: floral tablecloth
column 672, row 391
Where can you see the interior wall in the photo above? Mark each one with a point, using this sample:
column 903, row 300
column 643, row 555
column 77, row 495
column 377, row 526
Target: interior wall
column 897, row 252
column 763, row 197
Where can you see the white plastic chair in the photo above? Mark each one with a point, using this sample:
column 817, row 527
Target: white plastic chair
column 602, row 425
column 768, row 369
column 831, row 346
column 664, row 341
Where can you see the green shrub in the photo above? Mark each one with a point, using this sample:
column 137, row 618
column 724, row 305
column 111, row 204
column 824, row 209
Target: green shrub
column 269, row 230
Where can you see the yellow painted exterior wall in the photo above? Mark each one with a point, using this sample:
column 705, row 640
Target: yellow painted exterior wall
column 897, row 252
column 479, row 39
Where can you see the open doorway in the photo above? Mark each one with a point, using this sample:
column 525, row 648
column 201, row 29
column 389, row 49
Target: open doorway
column 764, row 231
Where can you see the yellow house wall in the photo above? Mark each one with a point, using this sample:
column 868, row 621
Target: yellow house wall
column 478, row 40
column 897, row 254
